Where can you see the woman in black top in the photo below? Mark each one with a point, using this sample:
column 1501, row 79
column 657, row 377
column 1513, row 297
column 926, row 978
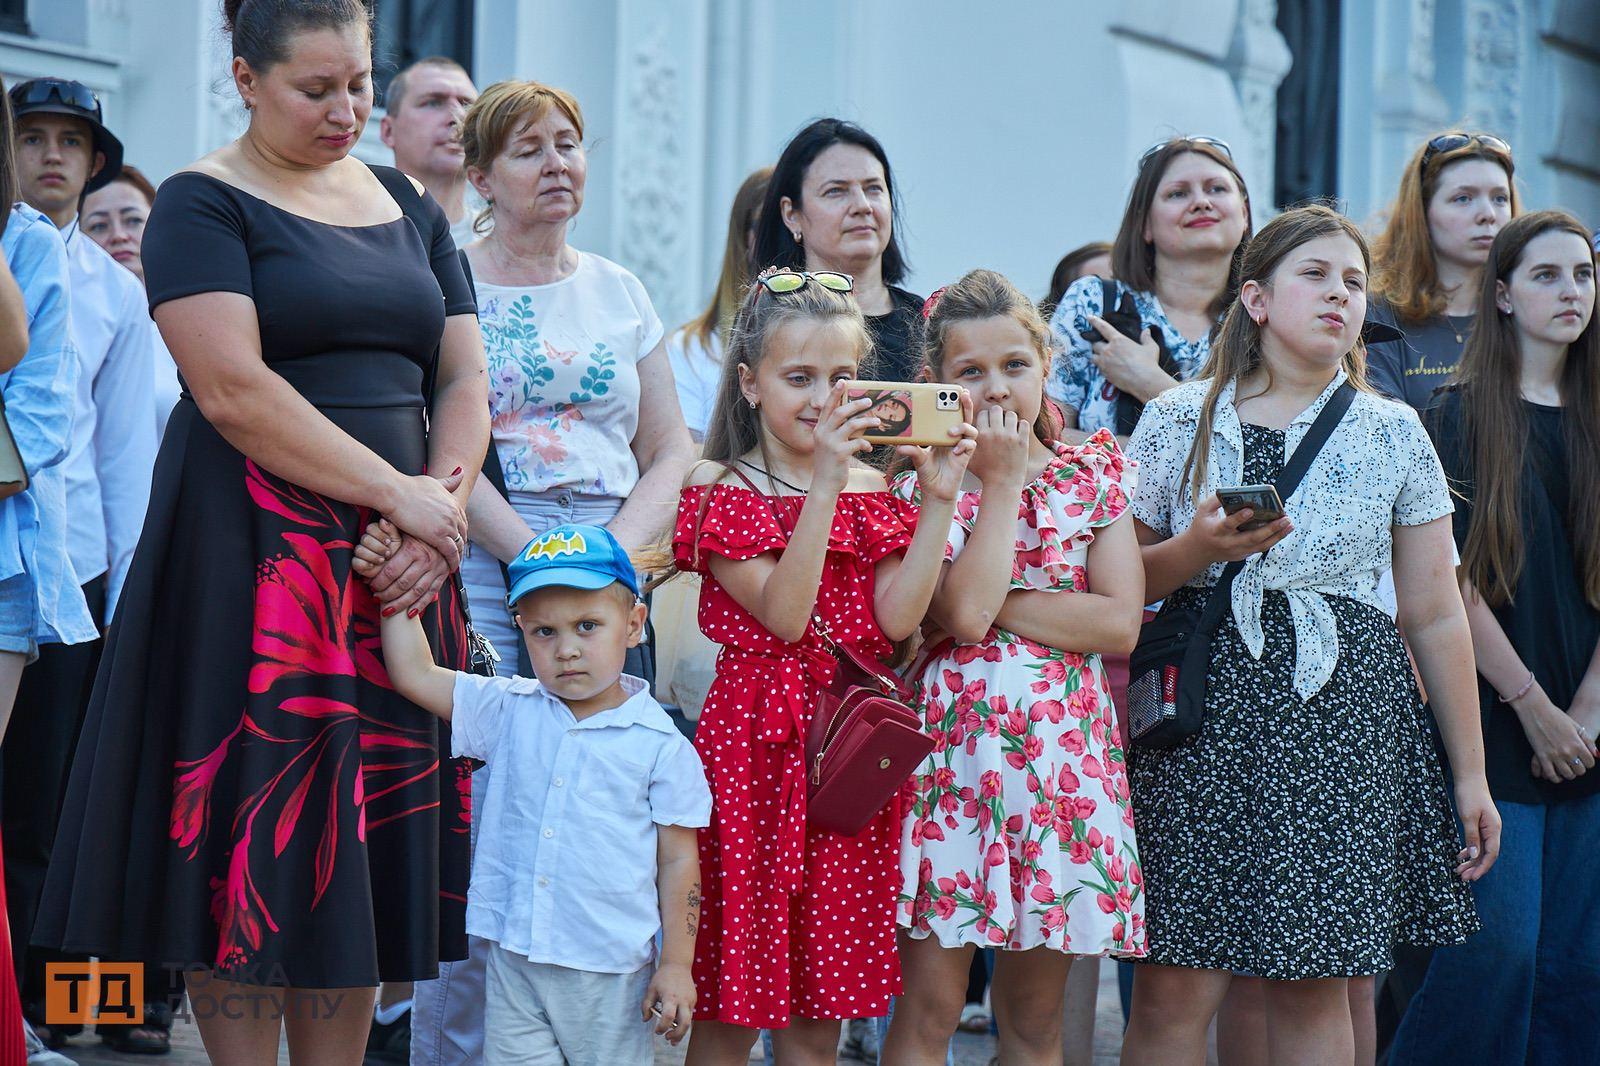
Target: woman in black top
column 1455, row 194
column 830, row 206
column 250, row 797
column 1518, row 437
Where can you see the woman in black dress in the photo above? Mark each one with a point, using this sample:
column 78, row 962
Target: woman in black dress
column 250, row 799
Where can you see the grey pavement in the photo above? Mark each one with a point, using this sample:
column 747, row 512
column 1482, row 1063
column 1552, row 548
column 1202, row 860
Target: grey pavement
column 972, row 1049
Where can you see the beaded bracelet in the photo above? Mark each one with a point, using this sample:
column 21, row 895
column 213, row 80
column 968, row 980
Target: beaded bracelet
column 1521, row 692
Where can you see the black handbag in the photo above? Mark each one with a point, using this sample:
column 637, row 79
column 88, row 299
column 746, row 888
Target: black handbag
column 1167, row 670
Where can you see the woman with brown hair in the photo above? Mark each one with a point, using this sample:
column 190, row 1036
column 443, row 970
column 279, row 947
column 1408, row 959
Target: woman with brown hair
column 695, row 349
column 1188, row 214
column 1306, row 828
column 1518, row 435
column 251, row 800
column 1455, row 194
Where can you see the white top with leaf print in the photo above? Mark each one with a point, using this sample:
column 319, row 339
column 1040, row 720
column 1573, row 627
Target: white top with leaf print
column 564, row 378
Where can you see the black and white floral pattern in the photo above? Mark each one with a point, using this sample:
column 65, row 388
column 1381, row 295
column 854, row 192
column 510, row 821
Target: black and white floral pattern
column 1299, row 837
column 1378, row 469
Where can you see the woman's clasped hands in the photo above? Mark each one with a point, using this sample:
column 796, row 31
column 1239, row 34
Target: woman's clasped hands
column 408, row 556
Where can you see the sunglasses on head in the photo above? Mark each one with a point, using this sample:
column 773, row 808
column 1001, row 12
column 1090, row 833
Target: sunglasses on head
column 1450, row 142
column 71, row 93
column 1213, row 142
column 782, row 282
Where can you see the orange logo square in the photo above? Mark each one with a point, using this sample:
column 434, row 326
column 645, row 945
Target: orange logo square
column 81, row 993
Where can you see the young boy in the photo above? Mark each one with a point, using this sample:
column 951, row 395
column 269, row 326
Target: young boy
column 587, row 842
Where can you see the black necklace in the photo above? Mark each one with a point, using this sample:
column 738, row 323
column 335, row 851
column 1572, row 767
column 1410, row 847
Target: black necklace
column 772, row 477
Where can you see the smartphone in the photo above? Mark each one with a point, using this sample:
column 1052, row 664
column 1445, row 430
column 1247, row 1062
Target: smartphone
column 912, row 412
column 1262, row 499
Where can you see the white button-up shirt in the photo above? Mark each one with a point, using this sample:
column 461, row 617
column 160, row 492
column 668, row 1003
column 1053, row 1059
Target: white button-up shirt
column 565, row 867
column 1378, row 469
column 113, row 448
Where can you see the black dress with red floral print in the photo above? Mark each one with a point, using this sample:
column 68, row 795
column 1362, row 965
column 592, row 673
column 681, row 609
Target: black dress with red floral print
column 250, row 795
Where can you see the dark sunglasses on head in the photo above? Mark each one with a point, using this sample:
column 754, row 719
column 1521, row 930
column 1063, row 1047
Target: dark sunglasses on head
column 1213, row 142
column 1449, row 142
column 782, row 282
column 71, row 93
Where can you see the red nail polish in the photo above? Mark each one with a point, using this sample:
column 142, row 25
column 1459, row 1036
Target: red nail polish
column 388, row 612
column 413, row 612
column 458, row 470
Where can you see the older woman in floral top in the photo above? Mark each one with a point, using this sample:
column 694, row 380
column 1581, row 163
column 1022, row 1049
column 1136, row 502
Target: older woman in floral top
column 586, row 425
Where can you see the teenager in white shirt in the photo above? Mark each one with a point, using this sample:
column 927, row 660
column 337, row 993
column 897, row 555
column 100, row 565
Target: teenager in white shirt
column 587, row 839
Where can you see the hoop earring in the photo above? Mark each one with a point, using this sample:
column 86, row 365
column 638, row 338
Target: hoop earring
column 753, row 405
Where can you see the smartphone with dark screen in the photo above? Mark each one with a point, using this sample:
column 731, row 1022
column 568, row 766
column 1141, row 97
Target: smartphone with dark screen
column 1262, row 499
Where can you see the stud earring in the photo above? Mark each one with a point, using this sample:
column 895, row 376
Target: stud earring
column 753, row 404
column 797, row 237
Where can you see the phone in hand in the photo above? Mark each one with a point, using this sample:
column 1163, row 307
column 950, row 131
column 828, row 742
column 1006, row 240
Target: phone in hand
column 911, row 412
column 1262, row 499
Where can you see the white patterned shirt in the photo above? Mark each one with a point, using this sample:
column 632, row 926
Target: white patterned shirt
column 563, row 363
column 1378, row 469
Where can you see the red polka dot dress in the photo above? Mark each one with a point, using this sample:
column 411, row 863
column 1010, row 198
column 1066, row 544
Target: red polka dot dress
column 794, row 921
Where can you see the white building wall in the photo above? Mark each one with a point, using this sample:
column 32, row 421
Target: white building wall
column 1013, row 127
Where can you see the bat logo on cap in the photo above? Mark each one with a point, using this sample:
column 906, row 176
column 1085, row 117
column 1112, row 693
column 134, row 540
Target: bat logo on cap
column 553, row 545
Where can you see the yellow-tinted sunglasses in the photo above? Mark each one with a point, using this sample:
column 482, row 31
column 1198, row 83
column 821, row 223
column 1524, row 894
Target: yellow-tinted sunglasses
column 782, row 282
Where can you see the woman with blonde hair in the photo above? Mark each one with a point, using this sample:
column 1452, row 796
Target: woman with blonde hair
column 584, row 419
column 695, row 348
column 1455, row 195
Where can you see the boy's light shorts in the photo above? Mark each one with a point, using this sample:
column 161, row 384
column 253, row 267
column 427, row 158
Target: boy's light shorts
column 537, row 1014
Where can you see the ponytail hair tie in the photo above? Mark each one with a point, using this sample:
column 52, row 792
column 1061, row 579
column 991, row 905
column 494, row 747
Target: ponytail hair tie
column 932, row 301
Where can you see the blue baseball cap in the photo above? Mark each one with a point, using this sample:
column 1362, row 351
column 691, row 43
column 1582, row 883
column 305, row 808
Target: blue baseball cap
column 578, row 557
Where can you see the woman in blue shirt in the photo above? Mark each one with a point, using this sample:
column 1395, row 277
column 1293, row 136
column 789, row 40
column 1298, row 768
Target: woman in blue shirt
column 1188, row 214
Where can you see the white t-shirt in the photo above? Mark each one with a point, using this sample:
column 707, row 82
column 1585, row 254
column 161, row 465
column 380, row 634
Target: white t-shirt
column 564, row 377
column 697, row 371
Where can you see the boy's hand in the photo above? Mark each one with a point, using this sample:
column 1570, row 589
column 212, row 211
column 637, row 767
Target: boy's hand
column 378, row 545
column 670, row 1001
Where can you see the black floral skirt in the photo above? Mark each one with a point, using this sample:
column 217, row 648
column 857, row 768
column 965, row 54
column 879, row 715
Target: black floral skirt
column 1300, row 838
column 249, row 793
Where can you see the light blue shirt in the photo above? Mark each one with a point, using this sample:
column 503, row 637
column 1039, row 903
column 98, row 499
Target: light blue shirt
column 113, row 448
column 565, row 867
column 38, row 397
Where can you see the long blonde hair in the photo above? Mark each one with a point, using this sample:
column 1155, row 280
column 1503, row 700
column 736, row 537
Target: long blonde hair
column 1405, row 272
column 1236, row 351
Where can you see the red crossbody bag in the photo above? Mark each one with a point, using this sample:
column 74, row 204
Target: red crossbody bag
column 864, row 740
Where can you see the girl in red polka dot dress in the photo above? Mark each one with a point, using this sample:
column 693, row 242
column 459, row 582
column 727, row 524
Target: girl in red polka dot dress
column 797, row 924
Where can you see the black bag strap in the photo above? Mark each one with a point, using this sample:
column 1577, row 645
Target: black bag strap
column 1289, row 479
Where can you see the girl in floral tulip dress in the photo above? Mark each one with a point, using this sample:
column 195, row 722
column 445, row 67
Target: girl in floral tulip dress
column 1019, row 835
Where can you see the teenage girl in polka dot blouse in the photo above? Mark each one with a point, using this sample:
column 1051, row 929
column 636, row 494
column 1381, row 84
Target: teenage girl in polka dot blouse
column 798, row 924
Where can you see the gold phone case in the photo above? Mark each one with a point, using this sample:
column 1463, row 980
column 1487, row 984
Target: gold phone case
column 912, row 412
